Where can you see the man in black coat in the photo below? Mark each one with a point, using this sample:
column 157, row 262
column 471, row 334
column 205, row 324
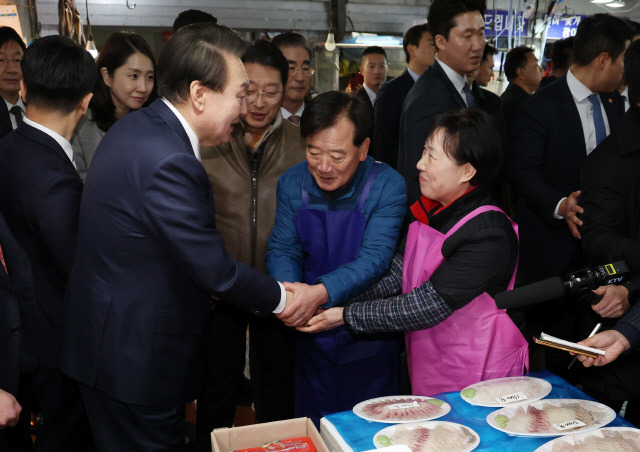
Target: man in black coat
column 443, row 87
column 524, row 75
column 420, row 52
column 39, row 197
column 610, row 232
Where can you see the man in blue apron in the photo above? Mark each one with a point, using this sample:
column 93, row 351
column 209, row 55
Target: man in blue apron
column 338, row 219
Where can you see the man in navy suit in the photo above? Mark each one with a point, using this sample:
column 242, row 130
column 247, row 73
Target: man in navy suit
column 12, row 49
column 149, row 256
column 39, row 197
column 419, row 51
column 458, row 31
column 553, row 132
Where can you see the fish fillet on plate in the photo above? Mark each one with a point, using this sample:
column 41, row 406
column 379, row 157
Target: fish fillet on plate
column 433, row 436
column 399, row 409
column 506, row 391
column 610, row 439
column 551, row 417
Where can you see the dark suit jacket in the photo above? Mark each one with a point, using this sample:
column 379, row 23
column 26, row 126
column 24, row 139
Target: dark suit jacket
column 362, row 94
column 5, row 119
column 386, row 118
column 39, row 198
column 432, row 94
column 512, row 99
column 547, row 143
column 149, row 257
column 17, row 307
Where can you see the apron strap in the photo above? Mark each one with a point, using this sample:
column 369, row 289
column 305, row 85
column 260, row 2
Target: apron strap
column 373, row 172
column 475, row 213
column 305, row 195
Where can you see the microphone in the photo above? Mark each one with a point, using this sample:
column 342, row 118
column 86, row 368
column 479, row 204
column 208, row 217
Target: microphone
column 550, row 288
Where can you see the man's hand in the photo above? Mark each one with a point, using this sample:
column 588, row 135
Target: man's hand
column 304, row 303
column 325, row 320
column 9, row 410
column 569, row 210
column 611, row 341
column 614, row 303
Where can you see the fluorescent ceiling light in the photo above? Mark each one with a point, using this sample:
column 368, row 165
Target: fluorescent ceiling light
column 601, row 1
column 615, row 4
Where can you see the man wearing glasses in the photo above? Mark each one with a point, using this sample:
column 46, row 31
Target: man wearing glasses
column 296, row 91
column 244, row 174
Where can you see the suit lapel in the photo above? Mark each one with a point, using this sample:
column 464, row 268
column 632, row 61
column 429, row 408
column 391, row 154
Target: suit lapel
column 33, row 134
column 614, row 107
column 440, row 74
column 568, row 114
column 165, row 113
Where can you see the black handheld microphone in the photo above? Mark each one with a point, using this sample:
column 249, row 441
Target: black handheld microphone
column 548, row 289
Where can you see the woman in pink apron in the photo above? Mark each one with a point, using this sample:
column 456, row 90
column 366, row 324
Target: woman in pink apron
column 461, row 250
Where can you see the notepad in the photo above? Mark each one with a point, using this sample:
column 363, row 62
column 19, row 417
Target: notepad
column 550, row 341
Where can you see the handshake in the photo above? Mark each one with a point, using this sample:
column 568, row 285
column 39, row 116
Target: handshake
column 303, row 310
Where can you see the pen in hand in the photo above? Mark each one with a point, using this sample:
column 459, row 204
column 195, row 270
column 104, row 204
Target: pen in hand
column 595, row 330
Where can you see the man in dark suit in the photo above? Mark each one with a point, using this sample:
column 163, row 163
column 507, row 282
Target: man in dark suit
column 420, row 52
column 443, row 87
column 5, row 121
column 40, row 197
column 524, row 74
column 149, row 256
column 552, row 134
column 373, row 67
column 12, row 49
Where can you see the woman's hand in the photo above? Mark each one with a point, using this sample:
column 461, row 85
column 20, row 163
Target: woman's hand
column 325, row 320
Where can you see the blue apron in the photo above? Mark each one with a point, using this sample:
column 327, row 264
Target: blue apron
column 334, row 370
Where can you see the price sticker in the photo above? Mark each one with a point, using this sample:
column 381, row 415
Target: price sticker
column 402, row 406
column 510, row 398
column 575, row 423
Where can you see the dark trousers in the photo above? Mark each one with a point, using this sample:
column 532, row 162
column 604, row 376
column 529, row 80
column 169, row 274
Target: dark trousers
column 125, row 427
column 65, row 426
column 271, row 364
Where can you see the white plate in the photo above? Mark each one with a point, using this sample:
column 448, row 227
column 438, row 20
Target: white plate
column 401, row 409
column 601, row 416
column 460, row 434
column 507, row 391
column 631, row 434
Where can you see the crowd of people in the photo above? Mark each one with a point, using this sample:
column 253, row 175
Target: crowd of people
column 153, row 212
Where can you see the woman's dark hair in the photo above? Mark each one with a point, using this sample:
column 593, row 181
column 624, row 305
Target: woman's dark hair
column 471, row 136
column 326, row 109
column 114, row 53
column 265, row 53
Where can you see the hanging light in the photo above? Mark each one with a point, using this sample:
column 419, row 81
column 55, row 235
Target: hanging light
column 91, row 46
column 615, row 4
column 330, row 43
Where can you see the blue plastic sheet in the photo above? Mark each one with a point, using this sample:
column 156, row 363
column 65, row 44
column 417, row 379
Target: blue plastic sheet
column 359, row 433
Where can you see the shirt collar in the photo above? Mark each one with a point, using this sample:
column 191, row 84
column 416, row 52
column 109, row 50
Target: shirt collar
column 64, row 144
column 286, row 113
column 370, row 93
column 20, row 104
column 578, row 90
column 193, row 138
column 413, row 75
column 458, row 80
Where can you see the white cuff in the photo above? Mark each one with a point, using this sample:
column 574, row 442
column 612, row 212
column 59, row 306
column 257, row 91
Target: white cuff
column 555, row 212
column 283, row 300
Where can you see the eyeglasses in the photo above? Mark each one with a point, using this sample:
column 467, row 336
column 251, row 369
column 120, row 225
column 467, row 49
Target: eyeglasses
column 5, row 61
column 304, row 68
column 270, row 97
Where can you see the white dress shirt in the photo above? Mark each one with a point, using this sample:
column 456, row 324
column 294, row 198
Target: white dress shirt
column 286, row 113
column 22, row 106
column 413, row 75
column 459, row 81
column 370, row 93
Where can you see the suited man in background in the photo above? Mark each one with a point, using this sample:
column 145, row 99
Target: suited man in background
column 12, row 49
column 373, row 67
column 553, row 132
column 39, row 197
column 419, row 51
column 443, row 87
column 524, row 74
column 149, row 255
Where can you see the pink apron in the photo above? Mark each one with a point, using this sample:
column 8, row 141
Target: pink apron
column 477, row 342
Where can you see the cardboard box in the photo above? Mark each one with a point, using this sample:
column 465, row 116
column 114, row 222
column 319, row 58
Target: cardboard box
column 227, row 439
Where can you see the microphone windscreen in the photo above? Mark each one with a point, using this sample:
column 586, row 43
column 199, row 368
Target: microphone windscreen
column 544, row 290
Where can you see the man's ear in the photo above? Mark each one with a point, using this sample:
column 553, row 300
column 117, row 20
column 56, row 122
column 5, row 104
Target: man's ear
column 83, row 106
column 196, row 94
column 23, row 90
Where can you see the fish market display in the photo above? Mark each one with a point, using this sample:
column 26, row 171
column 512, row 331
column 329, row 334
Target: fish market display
column 398, row 409
column 551, row 417
column 506, row 391
column 429, row 437
column 614, row 439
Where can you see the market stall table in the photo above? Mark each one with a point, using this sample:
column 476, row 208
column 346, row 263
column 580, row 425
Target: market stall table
column 346, row 432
